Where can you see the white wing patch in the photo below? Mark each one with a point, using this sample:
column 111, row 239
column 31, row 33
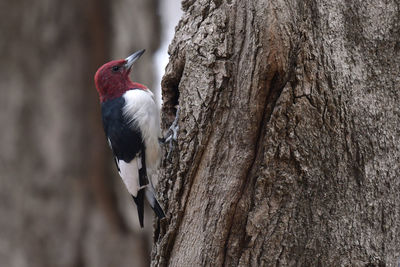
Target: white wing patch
column 141, row 108
column 129, row 173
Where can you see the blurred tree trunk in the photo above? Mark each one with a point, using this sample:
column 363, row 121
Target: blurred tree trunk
column 58, row 200
column 288, row 150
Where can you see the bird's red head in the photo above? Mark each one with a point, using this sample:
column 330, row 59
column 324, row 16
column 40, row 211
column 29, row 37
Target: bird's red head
column 112, row 79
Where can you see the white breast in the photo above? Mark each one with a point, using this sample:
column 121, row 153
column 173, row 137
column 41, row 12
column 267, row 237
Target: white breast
column 140, row 108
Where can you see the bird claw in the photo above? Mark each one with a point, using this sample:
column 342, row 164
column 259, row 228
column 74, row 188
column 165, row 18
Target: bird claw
column 172, row 133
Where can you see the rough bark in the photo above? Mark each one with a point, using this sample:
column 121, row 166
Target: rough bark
column 288, row 148
column 60, row 203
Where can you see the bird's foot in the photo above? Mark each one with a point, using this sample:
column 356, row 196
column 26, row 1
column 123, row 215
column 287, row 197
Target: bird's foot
column 172, row 133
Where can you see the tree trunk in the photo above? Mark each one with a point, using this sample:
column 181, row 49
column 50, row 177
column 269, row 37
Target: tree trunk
column 58, row 200
column 288, row 148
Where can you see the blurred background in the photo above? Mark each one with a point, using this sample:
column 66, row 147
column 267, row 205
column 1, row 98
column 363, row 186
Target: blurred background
column 61, row 201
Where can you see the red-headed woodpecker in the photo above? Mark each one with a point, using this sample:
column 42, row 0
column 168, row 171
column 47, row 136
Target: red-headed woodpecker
column 132, row 127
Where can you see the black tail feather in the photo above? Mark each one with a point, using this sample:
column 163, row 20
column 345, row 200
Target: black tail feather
column 139, row 200
column 158, row 210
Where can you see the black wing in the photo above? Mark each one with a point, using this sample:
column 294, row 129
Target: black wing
column 126, row 143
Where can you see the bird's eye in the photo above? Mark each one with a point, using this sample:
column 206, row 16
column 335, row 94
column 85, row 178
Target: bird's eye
column 115, row 68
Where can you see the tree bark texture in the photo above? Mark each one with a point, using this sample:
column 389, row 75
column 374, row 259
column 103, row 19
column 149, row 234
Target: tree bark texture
column 288, row 148
column 61, row 204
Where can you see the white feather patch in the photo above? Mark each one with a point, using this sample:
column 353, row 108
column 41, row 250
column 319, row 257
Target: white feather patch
column 129, row 173
column 141, row 108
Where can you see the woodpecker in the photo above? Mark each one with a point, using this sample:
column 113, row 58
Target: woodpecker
column 132, row 127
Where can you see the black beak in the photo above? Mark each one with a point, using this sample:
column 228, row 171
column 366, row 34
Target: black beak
column 132, row 58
